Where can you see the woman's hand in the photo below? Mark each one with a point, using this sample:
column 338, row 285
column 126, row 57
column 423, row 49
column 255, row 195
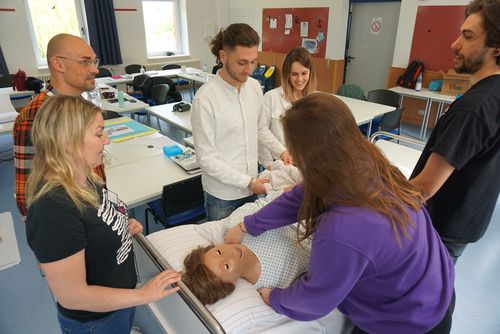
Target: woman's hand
column 135, row 226
column 157, row 287
column 264, row 294
column 235, row 234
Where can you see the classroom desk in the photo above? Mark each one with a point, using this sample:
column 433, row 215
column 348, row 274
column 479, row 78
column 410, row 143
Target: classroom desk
column 106, row 105
column 364, row 112
column 7, row 114
column 181, row 120
column 430, row 97
column 195, row 78
column 138, row 173
column 13, row 93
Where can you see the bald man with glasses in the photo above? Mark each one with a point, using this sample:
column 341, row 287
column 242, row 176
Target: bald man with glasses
column 73, row 67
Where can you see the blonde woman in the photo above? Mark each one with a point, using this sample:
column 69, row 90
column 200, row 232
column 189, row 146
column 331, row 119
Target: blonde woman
column 298, row 79
column 79, row 231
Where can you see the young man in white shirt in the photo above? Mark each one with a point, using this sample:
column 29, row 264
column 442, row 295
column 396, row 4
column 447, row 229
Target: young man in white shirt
column 228, row 125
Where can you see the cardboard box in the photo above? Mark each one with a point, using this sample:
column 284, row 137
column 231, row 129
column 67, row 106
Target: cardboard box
column 454, row 83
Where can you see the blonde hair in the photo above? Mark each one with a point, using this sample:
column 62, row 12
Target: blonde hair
column 304, row 58
column 58, row 137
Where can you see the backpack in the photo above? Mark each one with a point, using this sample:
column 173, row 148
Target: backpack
column 410, row 76
column 34, row 84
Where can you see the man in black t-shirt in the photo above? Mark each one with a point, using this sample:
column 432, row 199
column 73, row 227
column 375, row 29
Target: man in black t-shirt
column 459, row 169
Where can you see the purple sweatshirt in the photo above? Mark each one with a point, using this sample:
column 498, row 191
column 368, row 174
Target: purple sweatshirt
column 357, row 265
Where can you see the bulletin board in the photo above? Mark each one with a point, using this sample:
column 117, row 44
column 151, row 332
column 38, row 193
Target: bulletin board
column 276, row 39
column 436, row 28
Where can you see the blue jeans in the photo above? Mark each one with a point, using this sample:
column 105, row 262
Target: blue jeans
column 118, row 322
column 217, row 208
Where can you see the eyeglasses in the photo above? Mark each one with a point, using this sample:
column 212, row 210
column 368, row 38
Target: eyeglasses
column 85, row 62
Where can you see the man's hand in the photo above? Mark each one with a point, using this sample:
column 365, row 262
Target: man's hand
column 258, row 186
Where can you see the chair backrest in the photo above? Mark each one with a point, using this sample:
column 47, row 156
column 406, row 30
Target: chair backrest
column 159, row 93
column 133, row 68
column 184, row 196
column 170, row 67
column 150, row 82
column 103, row 72
column 392, row 120
column 138, row 81
column 351, row 90
column 384, row 96
column 216, row 68
column 6, row 80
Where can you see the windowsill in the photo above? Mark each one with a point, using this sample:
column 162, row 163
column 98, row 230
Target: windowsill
column 168, row 57
column 42, row 67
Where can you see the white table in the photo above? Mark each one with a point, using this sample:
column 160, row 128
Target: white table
column 403, row 157
column 196, row 78
column 364, row 112
column 7, row 114
column 137, row 172
column 11, row 92
column 181, row 120
column 130, row 107
column 430, row 97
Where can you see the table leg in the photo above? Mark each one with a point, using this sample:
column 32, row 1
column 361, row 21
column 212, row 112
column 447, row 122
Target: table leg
column 369, row 129
column 427, row 110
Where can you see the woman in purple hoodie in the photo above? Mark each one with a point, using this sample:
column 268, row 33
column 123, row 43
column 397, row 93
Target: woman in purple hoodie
column 375, row 255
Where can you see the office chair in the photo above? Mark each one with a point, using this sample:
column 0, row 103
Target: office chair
column 390, row 122
column 179, row 82
column 181, row 203
column 147, row 87
column 134, row 68
column 159, row 94
column 351, row 90
column 103, row 72
column 136, row 86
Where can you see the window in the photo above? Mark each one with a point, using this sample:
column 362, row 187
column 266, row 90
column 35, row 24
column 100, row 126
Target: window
column 162, row 23
column 48, row 18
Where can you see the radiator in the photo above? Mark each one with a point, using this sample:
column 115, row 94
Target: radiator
column 44, row 76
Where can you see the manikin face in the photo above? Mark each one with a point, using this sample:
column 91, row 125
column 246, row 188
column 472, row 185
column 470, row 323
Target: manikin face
column 469, row 48
column 299, row 76
column 240, row 62
column 94, row 141
column 227, row 261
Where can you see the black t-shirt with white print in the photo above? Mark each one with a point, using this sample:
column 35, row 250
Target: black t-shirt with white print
column 56, row 229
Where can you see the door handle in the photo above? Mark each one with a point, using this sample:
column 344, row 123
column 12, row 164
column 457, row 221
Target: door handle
column 349, row 58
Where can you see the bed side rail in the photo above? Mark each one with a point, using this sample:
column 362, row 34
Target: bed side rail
column 409, row 140
column 189, row 298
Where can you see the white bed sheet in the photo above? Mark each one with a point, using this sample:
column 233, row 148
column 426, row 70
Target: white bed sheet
column 243, row 311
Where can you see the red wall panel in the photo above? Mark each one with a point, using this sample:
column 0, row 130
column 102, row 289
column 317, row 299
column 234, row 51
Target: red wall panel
column 436, row 28
column 275, row 40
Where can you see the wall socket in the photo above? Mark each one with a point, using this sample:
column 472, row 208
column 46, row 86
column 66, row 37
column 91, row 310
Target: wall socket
column 421, row 112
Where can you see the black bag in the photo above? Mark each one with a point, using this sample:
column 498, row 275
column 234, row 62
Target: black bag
column 410, row 76
column 34, row 84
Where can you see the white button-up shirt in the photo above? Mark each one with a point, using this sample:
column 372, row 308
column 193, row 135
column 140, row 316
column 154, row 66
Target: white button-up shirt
column 228, row 127
column 275, row 105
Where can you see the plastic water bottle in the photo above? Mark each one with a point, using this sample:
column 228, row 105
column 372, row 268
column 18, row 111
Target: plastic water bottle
column 418, row 85
column 121, row 99
column 205, row 68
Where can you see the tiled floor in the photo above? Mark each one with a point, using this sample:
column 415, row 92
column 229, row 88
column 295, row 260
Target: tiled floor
column 26, row 305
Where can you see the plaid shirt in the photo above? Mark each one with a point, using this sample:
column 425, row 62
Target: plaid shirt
column 24, row 151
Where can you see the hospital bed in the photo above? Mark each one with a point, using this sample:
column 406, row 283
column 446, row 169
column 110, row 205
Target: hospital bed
column 402, row 156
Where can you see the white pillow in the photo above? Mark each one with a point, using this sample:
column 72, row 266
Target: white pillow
column 240, row 311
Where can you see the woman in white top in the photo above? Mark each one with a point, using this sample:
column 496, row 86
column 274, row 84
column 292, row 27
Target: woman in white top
column 298, row 79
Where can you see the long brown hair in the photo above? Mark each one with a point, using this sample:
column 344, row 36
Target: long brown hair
column 302, row 56
column 202, row 282
column 340, row 167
